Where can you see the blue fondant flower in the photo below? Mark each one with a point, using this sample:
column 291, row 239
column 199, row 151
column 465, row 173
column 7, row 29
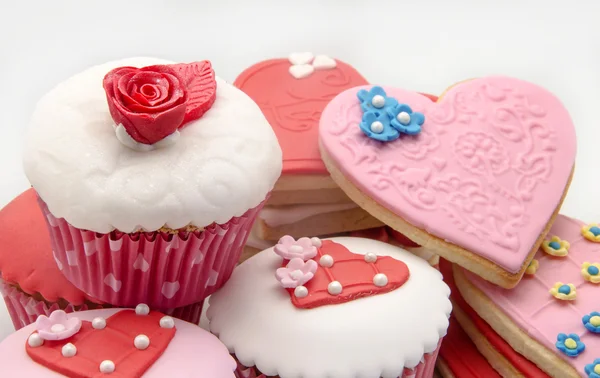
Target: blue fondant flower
column 375, row 100
column 569, row 344
column 593, row 369
column 377, row 126
column 592, row 321
column 405, row 120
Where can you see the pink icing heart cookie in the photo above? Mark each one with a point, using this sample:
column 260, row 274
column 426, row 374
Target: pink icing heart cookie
column 552, row 317
column 476, row 177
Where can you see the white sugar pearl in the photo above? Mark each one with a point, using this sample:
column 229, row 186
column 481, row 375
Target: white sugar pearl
column 296, row 274
column 300, row 291
column 167, row 322
column 296, row 249
column 107, row 367
column 316, row 242
column 57, row 328
column 142, row 309
column 35, row 340
column 334, row 288
column 370, row 257
column 141, row 342
column 69, row 350
column 99, row 323
column 326, row 261
column 380, row 280
column 378, row 101
column 377, row 127
column 403, row 118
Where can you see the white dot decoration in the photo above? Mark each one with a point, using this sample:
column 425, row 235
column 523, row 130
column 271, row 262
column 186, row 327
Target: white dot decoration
column 300, row 291
column 296, row 249
column 316, row 242
column 107, row 367
column 57, row 328
column 141, row 342
column 380, row 280
column 403, row 118
column 377, row 127
column 378, row 101
column 142, row 309
column 35, row 340
column 167, row 322
column 334, row 288
column 69, row 350
column 370, row 257
column 99, row 323
column 326, row 261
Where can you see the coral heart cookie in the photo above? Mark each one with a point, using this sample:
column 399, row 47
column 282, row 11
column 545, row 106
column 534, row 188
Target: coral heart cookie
column 552, row 317
column 477, row 177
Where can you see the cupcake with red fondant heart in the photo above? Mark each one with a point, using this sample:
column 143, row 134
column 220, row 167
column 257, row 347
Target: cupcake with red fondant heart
column 339, row 307
column 150, row 175
column 114, row 342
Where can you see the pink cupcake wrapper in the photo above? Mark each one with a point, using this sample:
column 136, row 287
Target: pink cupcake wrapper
column 423, row 370
column 24, row 309
column 159, row 269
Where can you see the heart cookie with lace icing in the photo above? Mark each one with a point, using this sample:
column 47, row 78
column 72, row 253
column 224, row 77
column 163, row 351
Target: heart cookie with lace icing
column 478, row 176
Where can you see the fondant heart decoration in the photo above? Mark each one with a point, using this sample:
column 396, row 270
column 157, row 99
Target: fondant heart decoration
column 323, row 62
column 301, row 71
column 486, row 173
column 298, row 58
column 125, row 345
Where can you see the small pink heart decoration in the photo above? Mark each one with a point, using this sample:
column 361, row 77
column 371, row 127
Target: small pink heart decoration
column 486, row 174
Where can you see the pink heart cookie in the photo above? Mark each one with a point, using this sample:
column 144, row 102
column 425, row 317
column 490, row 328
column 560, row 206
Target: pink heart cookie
column 480, row 184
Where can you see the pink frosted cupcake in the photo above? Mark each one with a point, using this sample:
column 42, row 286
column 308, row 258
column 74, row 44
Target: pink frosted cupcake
column 150, row 178
column 337, row 308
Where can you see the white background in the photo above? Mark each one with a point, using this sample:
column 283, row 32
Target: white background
column 419, row 45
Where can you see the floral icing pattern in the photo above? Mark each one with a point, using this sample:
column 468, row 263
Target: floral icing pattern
column 565, row 292
column 375, row 99
column 593, row 369
column 57, row 326
column 591, row 232
column 296, row 273
column 556, row 246
column 569, row 344
column 592, row 322
column 591, row 272
column 289, row 248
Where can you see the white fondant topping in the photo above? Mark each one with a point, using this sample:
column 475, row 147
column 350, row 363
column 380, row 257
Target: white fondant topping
column 142, row 309
column 334, row 288
column 141, row 342
column 316, row 242
column 99, row 323
column 167, row 322
column 69, row 350
column 380, row 280
column 370, row 257
column 107, row 367
column 275, row 216
column 128, row 141
column 222, row 165
column 300, row 291
column 402, row 324
column 301, row 57
column 326, row 261
column 403, row 118
column 323, row 62
column 57, row 328
column 35, row 340
column 300, row 71
column 378, row 101
column 377, row 127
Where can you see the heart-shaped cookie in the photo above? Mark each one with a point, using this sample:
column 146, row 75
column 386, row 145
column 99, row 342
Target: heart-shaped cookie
column 552, row 317
column 479, row 183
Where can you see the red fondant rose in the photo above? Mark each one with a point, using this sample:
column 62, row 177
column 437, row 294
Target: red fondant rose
column 153, row 102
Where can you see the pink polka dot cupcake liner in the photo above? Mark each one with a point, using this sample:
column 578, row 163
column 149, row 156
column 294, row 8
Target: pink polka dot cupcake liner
column 162, row 270
column 424, row 370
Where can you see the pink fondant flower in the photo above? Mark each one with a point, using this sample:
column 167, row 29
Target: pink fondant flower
column 58, row 326
column 296, row 273
column 304, row 248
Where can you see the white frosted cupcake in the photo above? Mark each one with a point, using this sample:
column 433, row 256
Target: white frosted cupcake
column 337, row 308
column 150, row 178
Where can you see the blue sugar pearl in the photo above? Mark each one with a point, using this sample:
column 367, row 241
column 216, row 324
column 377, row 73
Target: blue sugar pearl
column 592, row 270
column 554, row 245
column 564, row 289
column 595, row 230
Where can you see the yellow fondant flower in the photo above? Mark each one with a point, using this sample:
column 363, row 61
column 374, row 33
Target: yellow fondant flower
column 565, row 292
column 591, row 272
column 591, row 232
column 532, row 267
column 556, row 246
